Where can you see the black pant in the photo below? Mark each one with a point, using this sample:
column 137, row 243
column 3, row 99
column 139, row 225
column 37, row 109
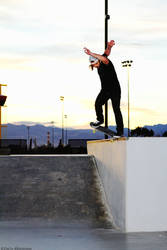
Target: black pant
column 101, row 99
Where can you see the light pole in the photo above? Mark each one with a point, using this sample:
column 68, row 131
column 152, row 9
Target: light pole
column 107, row 17
column 66, row 139
column 28, row 137
column 128, row 64
column 62, row 136
column 53, row 143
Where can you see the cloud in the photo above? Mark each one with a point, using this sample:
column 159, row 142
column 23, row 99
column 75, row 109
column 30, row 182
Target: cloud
column 32, row 123
column 12, row 10
column 11, row 2
column 57, row 50
column 17, row 63
column 26, row 123
column 44, row 32
column 147, row 111
column 7, row 61
column 18, row 55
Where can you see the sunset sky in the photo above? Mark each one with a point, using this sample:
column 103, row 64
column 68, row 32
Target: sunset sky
column 41, row 59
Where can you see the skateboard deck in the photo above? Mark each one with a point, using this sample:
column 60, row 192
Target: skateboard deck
column 106, row 131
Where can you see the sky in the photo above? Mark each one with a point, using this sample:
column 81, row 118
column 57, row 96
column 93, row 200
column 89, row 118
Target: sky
column 42, row 58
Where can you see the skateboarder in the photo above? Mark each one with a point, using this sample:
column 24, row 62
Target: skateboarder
column 110, row 87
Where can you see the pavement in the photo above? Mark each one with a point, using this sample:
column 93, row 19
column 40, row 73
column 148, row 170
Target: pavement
column 48, row 235
column 55, row 203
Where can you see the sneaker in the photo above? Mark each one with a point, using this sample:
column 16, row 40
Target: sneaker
column 95, row 124
column 118, row 135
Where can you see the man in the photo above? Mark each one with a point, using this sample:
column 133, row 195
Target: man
column 110, row 87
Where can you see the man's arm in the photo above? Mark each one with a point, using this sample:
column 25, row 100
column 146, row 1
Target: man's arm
column 99, row 57
column 109, row 47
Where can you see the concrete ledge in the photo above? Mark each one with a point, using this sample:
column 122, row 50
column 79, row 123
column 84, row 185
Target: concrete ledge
column 134, row 176
column 48, row 155
column 108, row 140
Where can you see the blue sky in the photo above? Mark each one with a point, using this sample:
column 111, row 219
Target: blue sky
column 42, row 59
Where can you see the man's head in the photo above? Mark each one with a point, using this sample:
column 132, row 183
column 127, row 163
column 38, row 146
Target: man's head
column 94, row 62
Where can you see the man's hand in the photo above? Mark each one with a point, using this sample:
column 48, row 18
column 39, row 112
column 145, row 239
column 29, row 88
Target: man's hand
column 87, row 51
column 99, row 57
column 109, row 46
column 111, row 43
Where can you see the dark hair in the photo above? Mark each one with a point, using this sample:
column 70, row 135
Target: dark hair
column 91, row 67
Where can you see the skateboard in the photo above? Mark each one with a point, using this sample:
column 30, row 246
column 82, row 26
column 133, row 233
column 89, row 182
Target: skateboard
column 106, row 131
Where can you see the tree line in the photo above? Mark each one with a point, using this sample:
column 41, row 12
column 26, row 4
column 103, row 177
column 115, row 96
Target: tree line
column 144, row 132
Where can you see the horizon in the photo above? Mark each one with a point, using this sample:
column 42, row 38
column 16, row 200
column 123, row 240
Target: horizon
column 40, row 132
column 31, row 124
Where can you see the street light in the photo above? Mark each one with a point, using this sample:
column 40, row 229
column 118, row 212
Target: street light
column 66, row 140
column 28, row 137
column 128, row 64
column 53, row 143
column 62, row 137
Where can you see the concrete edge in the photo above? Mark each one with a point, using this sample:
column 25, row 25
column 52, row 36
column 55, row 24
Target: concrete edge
column 46, row 155
column 109, row 140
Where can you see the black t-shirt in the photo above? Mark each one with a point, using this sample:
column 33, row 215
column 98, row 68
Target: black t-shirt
column 108, row 77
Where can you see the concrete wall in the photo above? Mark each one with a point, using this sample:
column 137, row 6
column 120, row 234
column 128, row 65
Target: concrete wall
column 111, row 169
column 146, row 203
column 134, row 175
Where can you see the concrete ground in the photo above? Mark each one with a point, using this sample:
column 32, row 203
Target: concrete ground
column 46, row 235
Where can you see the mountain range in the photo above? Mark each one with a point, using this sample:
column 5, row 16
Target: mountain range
column 40, row 132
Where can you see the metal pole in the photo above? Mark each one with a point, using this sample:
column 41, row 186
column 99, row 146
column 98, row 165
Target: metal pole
column 53, row 133
column 28, row 136
column 66, row 135
column 63, row 122
column 0, row 114
column 66, row 139
column 107, row 17
column 128, row 64
column 62, row 99
column 128, row 106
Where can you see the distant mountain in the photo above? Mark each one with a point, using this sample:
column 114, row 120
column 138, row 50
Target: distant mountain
column 36, row 131
column 158, row 129
column 40, row 132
